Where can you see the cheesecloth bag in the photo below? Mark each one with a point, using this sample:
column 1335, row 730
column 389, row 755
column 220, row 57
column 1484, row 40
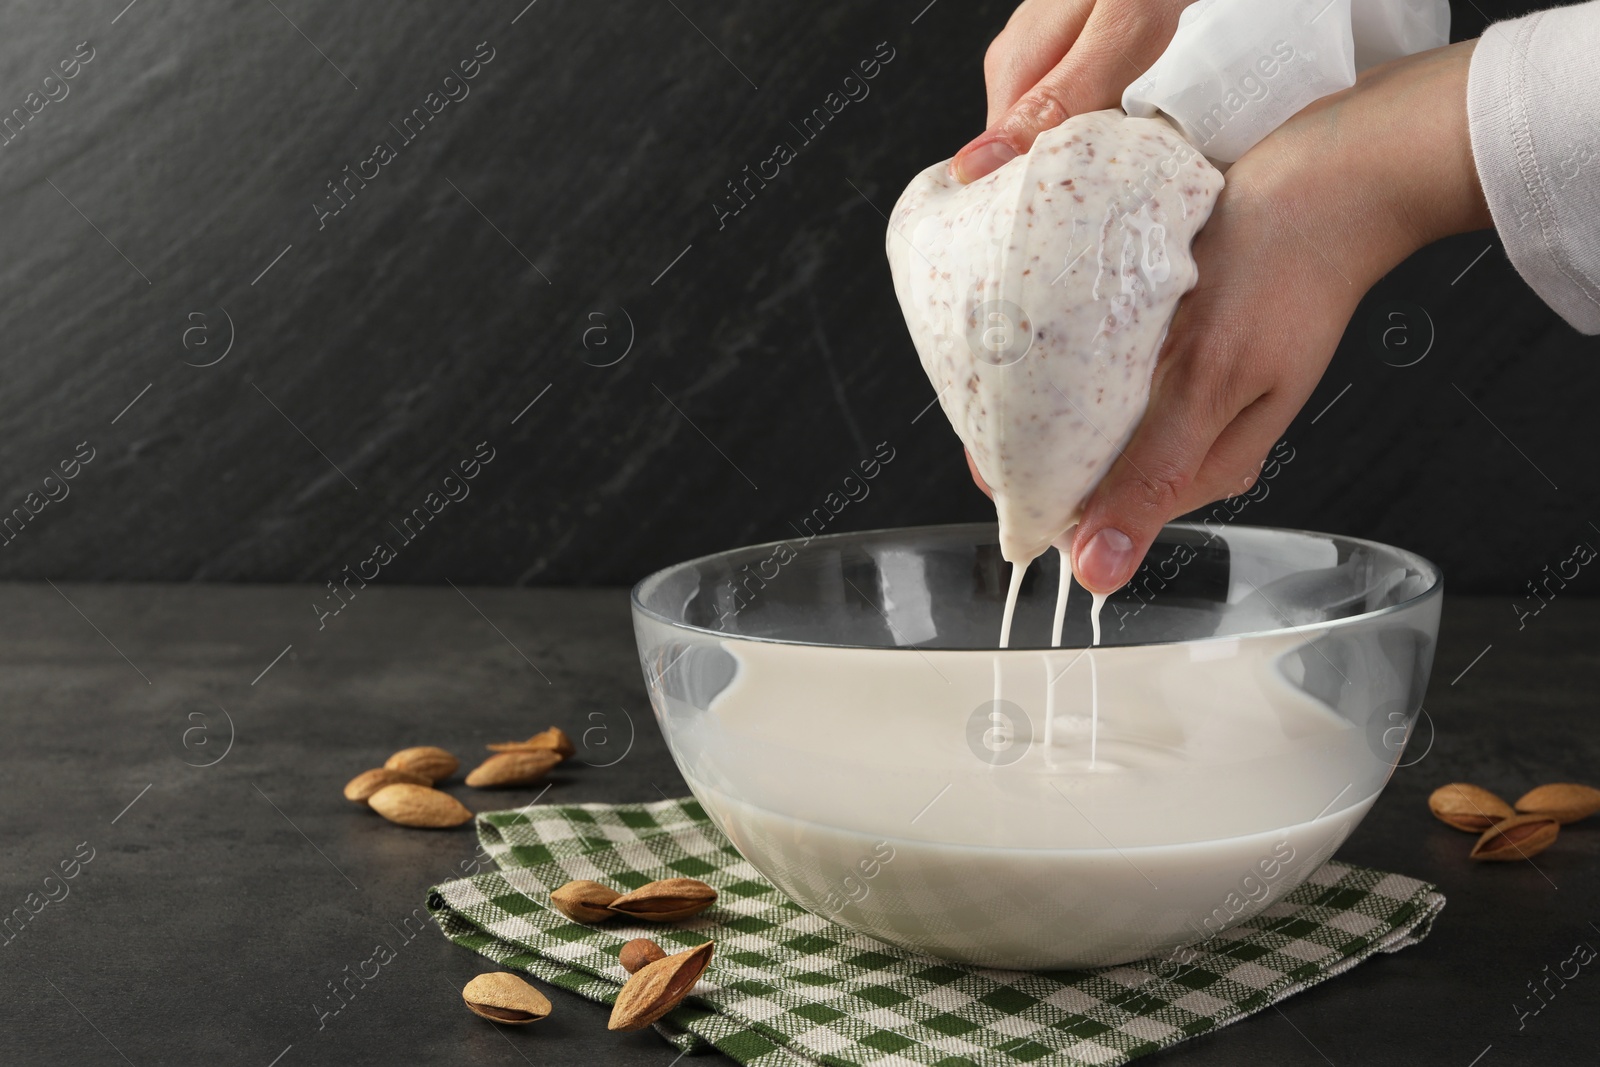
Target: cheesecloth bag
column 1038, row 296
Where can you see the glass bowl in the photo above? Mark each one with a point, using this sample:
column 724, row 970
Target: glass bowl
column 838, row 706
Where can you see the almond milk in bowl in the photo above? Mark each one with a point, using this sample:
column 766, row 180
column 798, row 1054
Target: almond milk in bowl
column 840, row 710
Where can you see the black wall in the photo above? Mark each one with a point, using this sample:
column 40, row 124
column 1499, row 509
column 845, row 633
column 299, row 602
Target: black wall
column 528, row 233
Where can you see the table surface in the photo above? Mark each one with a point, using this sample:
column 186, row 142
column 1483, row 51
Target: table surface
column 196, row 738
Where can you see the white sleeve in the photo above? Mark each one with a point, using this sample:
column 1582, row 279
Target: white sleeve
column 1533, row 108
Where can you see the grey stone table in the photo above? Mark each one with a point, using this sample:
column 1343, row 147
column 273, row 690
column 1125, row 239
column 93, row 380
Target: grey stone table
column 221, row 900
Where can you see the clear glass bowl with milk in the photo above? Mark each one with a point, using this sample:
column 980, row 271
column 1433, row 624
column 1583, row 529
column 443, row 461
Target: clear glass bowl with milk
column 838, row 707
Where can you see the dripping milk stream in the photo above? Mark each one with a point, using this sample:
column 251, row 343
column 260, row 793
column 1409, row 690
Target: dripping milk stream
column 1018, row 572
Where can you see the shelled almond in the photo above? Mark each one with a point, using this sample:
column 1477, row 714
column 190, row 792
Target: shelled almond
column 513, row 768
column 362, row 786
column 1468, row 807
column 434, row 764
column 419, row 805
column 1563, row 801
column 639, row 953
column 585, row 901
column 1517, row 838
column 502, row 997
column 553, row 739
column 668, row 900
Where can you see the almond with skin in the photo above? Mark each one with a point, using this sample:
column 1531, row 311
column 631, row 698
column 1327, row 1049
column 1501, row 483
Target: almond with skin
column 1517, row 838
column 1468, row 807
column 434, row 764
column 512, row 768
column 585, row 901
column 658, row 988
column 502, row 997
column 1563, row 801
column 554, row 740
column 418, row 805
column 668, row 900
column 639, row 953
column 367, row 783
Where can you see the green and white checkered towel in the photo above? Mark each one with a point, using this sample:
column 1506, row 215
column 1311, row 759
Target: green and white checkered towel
column 790, row 988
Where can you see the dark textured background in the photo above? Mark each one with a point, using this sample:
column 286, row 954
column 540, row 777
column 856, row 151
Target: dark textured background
column 594, row 145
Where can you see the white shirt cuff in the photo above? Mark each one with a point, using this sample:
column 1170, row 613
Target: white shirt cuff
column 1533, row 109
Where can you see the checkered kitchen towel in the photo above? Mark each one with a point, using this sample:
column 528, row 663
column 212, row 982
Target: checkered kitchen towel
column 789, row 988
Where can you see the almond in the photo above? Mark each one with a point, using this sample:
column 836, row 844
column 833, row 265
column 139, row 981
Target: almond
column 639, row 953
column 367, row 783
column 418, row 805
column 554, row 740
column 512, row 768
column 658, row 988
column 585, row 901
column 434, row 764
column 1517, row 838
column 667, row 900
column 1562, row 801
column 502, row 997
column 1468, row 807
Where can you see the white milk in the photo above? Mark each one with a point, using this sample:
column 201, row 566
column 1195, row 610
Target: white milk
column 1059, row 621
column 1021, row 909
column 1099, row 840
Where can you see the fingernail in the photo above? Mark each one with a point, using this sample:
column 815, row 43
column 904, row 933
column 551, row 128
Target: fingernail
column 973, row 162
column 1105, row 560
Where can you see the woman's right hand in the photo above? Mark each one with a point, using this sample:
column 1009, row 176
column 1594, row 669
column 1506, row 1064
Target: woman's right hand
column 1059, row 58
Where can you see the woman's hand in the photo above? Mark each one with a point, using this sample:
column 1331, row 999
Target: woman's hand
column 1310, row 219
column 1059, row 58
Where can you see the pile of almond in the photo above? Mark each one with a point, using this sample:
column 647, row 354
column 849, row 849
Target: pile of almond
column 1513, row 831
column 659, row 984
column 404, row 789
column 659, row 981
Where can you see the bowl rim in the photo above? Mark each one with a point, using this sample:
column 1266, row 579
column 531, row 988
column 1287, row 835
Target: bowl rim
column 1432, row 570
